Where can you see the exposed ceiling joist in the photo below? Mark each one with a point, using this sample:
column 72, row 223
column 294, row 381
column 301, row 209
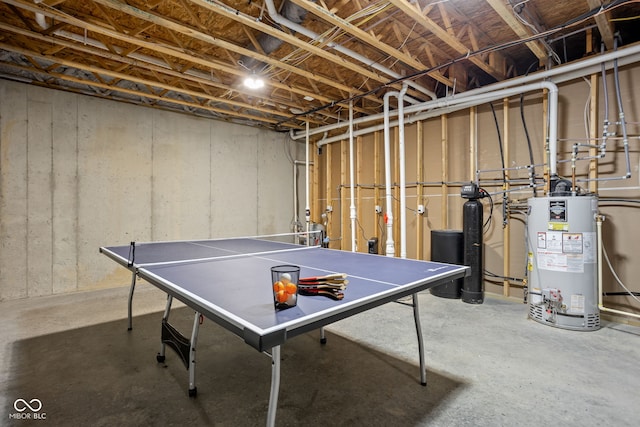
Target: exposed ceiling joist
column 192, row 56
column 507, row 14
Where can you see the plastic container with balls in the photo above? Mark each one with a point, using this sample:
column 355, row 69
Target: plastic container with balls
column 284, row 279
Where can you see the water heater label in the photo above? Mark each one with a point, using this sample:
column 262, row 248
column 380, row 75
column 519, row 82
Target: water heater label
column 577, row 303
column 542, row 240
column 572, row 243
column 558, row 210
column 568, row 252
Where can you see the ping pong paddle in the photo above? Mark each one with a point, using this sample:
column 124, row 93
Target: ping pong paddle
column 336, row 286
column 329, row 285
column 338, row 279
column 327, row 278
column 330, row 293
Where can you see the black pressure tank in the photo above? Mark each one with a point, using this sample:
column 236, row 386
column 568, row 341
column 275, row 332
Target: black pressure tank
column 473, row 289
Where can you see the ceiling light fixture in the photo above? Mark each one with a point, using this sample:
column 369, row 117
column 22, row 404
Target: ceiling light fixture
column 254, row 82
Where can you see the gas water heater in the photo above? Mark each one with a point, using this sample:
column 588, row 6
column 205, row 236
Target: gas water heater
column 562, row 261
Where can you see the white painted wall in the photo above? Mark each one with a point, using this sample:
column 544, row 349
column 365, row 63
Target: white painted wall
column 79, row 172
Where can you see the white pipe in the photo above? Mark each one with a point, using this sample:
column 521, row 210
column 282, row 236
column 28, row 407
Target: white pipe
column 352, row 208
column 561, row 74
column 307, row 209
column 273, row 12
column 599, row 221
column 462, row 102
column 390, row 247
column 403, row 188
column 553, row 127
column 295, row 198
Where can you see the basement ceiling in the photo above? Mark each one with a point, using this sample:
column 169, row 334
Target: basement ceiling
column 315, row 57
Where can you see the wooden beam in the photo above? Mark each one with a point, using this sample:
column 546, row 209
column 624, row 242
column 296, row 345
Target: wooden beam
column 444, row 142
column 507, row 15
column 368, row 38
column 345, row 235
column 604, row 26
column 414, row 12
column 377, row 149
column 593, row 122
column 159, row 49
column 231, row 47
column 128, row 77
column 506, row 229
column 328, row 188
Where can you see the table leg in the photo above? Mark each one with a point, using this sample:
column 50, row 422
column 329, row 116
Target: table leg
column 165, row 318
column 130, row 307
column 416, row 317
column 275, row 386
column 193, row 390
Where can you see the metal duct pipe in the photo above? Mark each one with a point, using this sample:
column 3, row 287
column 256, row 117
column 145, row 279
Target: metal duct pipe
column 269, row 43
column 282, row 20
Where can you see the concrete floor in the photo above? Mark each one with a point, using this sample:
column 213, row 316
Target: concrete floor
column 487, row 366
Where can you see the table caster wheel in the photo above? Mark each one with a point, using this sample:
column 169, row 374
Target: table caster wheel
column 193, row 392
column 160, row 358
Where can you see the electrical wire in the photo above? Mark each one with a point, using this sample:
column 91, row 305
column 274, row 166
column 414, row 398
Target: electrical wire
column 495, row 119
column 487, row 223
column 615, row 276
column 498, row 276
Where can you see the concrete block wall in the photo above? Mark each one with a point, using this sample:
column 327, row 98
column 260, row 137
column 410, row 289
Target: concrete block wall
column 78, row 172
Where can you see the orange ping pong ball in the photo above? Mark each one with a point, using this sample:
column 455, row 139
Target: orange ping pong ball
column 290, row 288
column 281, row 296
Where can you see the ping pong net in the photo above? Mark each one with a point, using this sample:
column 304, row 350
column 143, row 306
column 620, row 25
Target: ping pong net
column 149, row 254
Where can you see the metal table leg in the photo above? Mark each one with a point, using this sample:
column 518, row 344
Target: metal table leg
column 193, row 390
column 130, row 307
column 275, row 386
column 416, row 317
column 165, row 318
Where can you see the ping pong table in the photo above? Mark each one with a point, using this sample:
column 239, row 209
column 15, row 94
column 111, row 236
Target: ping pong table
column 229, row 282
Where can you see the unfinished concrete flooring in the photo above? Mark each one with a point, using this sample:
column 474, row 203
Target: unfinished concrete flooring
column 487, row 365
